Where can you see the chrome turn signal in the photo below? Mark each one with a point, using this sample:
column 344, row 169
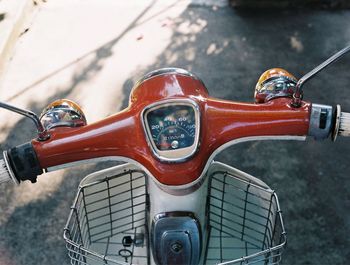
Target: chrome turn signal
column 62, row 113
column 274, row 83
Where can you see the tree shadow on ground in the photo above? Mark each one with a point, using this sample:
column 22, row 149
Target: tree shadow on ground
column 32, row 234
column 35, row 229
column 229, row 50
column 95, row 65
column 2, row 16
column 229, row 53
column 29, row 229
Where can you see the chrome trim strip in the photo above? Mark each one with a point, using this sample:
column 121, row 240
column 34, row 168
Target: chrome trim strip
column 279, row 78
column 187, row 187
column 159, row 216
column 9, row 168
column 184, row 153
column 315, row 126
column 237, row 173
column 164, row 71
column 228, row 144
column 95, row 160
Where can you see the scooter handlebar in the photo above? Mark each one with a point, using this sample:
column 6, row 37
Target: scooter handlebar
column 228, row 121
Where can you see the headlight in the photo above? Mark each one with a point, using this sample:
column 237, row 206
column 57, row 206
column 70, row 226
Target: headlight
column 62, row 113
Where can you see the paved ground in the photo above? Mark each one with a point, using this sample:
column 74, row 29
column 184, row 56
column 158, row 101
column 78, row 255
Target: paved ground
column 93, row 53
column 13, row 16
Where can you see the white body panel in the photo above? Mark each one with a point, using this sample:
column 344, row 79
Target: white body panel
column 192, row 197
column 162, row 202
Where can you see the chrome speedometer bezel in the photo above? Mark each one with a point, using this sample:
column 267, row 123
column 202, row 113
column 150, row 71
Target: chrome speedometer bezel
column 178, row 155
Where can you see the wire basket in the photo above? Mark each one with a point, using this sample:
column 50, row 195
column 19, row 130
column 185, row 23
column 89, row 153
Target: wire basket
column 107, row 223
column 246, row 225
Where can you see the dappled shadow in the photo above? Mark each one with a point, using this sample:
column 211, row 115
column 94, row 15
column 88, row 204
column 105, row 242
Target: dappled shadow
column 2, row 16
column 95, row 65
column 35, row 230
column 105, row 51
column 22, row 230
column 127, row 87
column 241, row 45
column 229, row 50
column 24, row 129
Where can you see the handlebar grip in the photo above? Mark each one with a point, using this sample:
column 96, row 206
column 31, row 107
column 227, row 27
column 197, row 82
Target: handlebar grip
column 6, row 173
column 342, row 124
column 20, row 163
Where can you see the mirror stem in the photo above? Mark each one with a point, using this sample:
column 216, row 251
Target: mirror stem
column 298, row 94
column 42, row 132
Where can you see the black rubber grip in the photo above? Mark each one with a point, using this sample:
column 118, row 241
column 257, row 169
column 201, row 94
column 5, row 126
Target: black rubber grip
column 24, row 162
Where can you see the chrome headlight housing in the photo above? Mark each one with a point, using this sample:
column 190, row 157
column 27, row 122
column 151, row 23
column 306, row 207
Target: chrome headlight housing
column 62, row 113
column 274, row 83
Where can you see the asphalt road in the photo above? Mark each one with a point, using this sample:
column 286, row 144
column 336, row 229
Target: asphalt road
column 229, row 52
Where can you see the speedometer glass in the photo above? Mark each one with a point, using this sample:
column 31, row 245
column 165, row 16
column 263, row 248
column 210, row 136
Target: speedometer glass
column 173, row 129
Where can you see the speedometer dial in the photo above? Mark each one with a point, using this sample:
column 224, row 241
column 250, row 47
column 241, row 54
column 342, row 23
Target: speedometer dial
column 173, row 129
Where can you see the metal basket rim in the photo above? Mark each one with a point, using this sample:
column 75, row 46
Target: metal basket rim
column 66, row 230
column 278, row 211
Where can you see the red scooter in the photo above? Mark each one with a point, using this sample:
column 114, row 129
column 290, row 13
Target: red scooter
column 170, row 203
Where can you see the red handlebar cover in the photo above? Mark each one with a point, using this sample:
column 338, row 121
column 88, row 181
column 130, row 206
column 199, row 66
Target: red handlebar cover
column 123, row 134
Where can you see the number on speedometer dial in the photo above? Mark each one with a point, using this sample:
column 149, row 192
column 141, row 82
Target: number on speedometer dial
column 172, row 127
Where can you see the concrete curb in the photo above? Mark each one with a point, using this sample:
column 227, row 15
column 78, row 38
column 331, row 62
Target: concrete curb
column 15, row 13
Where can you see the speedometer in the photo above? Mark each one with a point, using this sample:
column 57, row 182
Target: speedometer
column 172, row 129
